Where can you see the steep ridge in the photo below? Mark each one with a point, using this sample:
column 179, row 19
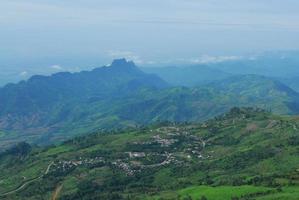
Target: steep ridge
column 44, row 101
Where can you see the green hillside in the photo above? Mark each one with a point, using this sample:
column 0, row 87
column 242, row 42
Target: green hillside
column 244, row 154
column 178, row 104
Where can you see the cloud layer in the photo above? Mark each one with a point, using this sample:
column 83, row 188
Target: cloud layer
column 92, row 32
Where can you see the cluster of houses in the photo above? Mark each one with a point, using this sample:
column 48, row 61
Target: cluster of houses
column 66, row 165
column 125, row 167
column 133, row 162
column 131, row 166
column 164, row 142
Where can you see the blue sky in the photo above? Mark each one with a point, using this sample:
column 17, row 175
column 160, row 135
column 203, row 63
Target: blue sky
column 54, row 35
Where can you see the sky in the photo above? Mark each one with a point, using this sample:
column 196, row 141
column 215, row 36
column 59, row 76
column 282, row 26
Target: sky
column 39, row 36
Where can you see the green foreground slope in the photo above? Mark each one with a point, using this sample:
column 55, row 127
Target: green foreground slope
column 244, row 154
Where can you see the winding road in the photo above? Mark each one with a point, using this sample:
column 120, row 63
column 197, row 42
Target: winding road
column 27, row 182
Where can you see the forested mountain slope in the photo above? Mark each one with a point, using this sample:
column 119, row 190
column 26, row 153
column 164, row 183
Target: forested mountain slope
column 52, row 109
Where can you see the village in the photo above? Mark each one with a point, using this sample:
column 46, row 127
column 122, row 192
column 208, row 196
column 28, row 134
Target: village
column 168, row 145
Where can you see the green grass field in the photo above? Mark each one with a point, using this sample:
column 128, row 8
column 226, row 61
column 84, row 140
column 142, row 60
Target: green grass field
column 287, row 193
column 212, row 193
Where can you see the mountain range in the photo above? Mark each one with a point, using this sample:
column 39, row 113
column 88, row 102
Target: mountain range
column 282, row 66
column 118, row 132
column 188, row 76
column 50, row 109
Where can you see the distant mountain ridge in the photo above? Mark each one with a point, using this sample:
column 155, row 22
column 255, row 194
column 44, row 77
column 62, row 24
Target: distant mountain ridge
column 188, row 76
column 48, row 109
column 282, row 66
column 41, row 91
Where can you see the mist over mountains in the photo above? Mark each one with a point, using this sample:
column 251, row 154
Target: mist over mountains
column 281, row 66
column 189, row 72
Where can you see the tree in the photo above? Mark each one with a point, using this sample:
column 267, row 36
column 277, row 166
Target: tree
column 21, row 149
column 203, row 198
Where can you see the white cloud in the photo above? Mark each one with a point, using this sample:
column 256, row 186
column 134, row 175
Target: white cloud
column 56, row 67
column 23, row 74
column 125, row 54
column 205, row 59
